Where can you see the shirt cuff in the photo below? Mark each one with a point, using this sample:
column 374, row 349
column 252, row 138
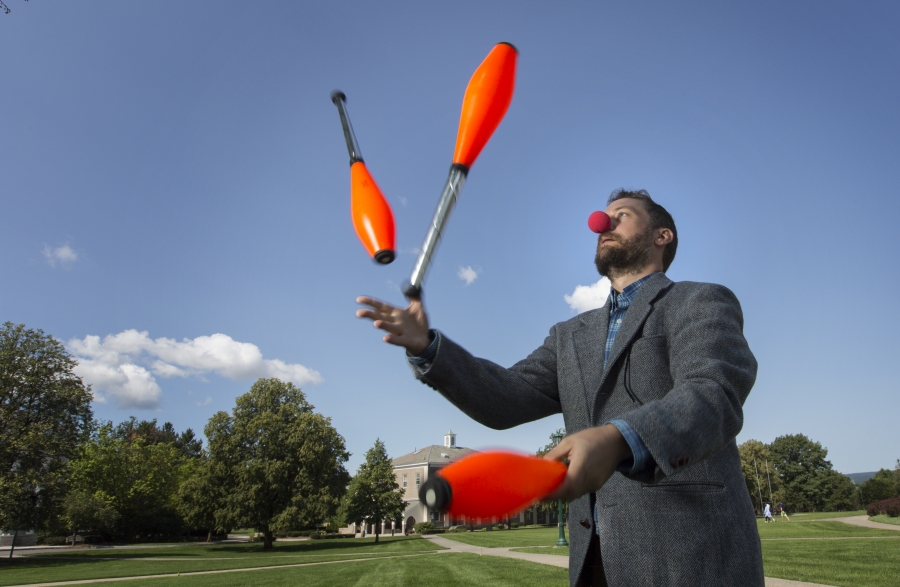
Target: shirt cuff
column 423, row 360
column 640, row 454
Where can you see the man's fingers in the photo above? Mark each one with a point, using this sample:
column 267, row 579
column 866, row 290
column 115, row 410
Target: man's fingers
column 376, row 304
column 559, row 452
column 388, row 327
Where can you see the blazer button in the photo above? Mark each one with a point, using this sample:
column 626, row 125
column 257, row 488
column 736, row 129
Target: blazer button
column 585, row 523
column 674, row 462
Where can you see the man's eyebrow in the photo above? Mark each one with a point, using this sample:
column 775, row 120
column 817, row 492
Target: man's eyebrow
column 625, row 207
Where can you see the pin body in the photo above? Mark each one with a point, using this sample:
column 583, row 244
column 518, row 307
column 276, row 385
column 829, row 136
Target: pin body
column 373, row 219
column 491, row 484
column 486, row 101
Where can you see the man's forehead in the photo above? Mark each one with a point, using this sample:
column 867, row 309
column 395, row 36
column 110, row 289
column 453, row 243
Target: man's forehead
column 631, row 203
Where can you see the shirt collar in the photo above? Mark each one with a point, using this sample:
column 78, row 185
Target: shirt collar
column 624, row 299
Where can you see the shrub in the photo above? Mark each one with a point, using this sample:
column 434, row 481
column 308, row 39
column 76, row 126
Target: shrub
column 52, row 540
column 331, row 536
column 423, row 527
column 890, row 507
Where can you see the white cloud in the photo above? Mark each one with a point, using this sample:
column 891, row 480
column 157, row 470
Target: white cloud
column 589, row 297
column 63, row 255
column 205, row 402
column 403, row 200
column 467, row 274
column 123, row 365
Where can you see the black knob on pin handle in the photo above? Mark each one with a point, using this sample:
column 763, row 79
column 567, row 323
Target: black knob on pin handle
column 436, row 493
column 411, row 292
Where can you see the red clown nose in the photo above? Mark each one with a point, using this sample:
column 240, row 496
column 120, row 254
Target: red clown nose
column 599, row 221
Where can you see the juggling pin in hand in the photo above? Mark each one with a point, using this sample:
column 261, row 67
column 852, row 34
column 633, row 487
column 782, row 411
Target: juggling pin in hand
column 485, row 103
column 491, row 484
column 370, row 211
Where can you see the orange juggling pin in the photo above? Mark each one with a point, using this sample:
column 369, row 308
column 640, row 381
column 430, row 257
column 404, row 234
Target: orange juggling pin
column 491, row 484
column 370, row 211
column 485, row 102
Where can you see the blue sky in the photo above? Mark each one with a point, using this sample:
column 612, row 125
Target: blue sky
column 174, row 196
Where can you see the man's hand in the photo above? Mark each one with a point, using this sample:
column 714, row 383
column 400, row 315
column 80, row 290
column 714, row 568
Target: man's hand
column 405, row 327
column 593, row 456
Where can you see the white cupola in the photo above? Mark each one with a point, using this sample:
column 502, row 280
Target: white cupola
column 450, row 439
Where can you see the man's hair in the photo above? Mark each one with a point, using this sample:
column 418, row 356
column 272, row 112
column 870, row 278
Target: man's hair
column 659, row 218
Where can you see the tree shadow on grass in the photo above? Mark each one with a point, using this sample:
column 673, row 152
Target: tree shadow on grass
column 198, row 553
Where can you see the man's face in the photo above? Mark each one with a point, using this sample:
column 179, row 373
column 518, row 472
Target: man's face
column 628, row 245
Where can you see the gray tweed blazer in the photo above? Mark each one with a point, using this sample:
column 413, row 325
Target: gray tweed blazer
column 688, row 520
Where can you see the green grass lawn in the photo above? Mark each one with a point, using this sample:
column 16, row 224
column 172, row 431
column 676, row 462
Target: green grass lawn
column 446, row 570
column 862, row 562
column 822, row 515
column 557, row 550
column 104, row 563
column 832, row 553
column 818, row 530
column 885, row 519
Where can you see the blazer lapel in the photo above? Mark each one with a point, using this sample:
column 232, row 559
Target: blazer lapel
column 589, row 341
column 635, row 317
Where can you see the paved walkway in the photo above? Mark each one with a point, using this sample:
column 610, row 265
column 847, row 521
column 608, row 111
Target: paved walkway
column 563, row 561
column 862, row 521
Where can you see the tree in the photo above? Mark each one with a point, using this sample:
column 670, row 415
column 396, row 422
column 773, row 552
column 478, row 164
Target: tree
column 897, row 477
column 45, row 415
column 798, row 461
column 550, row 506
column 186, row 442
column 760, row 474
column 282, row 463
column 140, row 480
column 831, row 491
column 879, row 487
column 201, row 499
column 374, row 495
column 91, row 512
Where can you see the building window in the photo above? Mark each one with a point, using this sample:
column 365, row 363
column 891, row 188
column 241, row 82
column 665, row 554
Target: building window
column 418, row 479
column 404, row 482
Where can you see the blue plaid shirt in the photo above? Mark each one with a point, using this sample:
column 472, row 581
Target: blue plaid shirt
column 620, row 303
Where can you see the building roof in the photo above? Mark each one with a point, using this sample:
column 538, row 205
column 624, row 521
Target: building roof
column 434, row 454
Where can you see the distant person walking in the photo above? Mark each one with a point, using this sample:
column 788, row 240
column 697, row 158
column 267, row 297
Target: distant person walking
column 783, row 509
column 767, row 512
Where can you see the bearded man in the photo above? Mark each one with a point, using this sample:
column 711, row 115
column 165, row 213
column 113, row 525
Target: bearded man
column 651, row 387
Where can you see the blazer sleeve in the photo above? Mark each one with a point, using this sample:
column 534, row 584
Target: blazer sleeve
column 492, row 395
column 713, row 371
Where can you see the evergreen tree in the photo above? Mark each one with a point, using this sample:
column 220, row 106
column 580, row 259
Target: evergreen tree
column 374, row 495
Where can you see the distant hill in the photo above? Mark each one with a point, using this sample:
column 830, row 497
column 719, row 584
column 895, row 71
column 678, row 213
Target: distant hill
column 860, row 478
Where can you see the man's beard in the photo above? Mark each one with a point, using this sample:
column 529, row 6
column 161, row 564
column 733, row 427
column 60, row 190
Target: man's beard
column 624, row 256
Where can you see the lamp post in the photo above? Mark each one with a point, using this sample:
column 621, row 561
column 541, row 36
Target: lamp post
column 557, row 437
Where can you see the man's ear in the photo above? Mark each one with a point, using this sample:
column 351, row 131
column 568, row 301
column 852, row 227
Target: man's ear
column 663, row 237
